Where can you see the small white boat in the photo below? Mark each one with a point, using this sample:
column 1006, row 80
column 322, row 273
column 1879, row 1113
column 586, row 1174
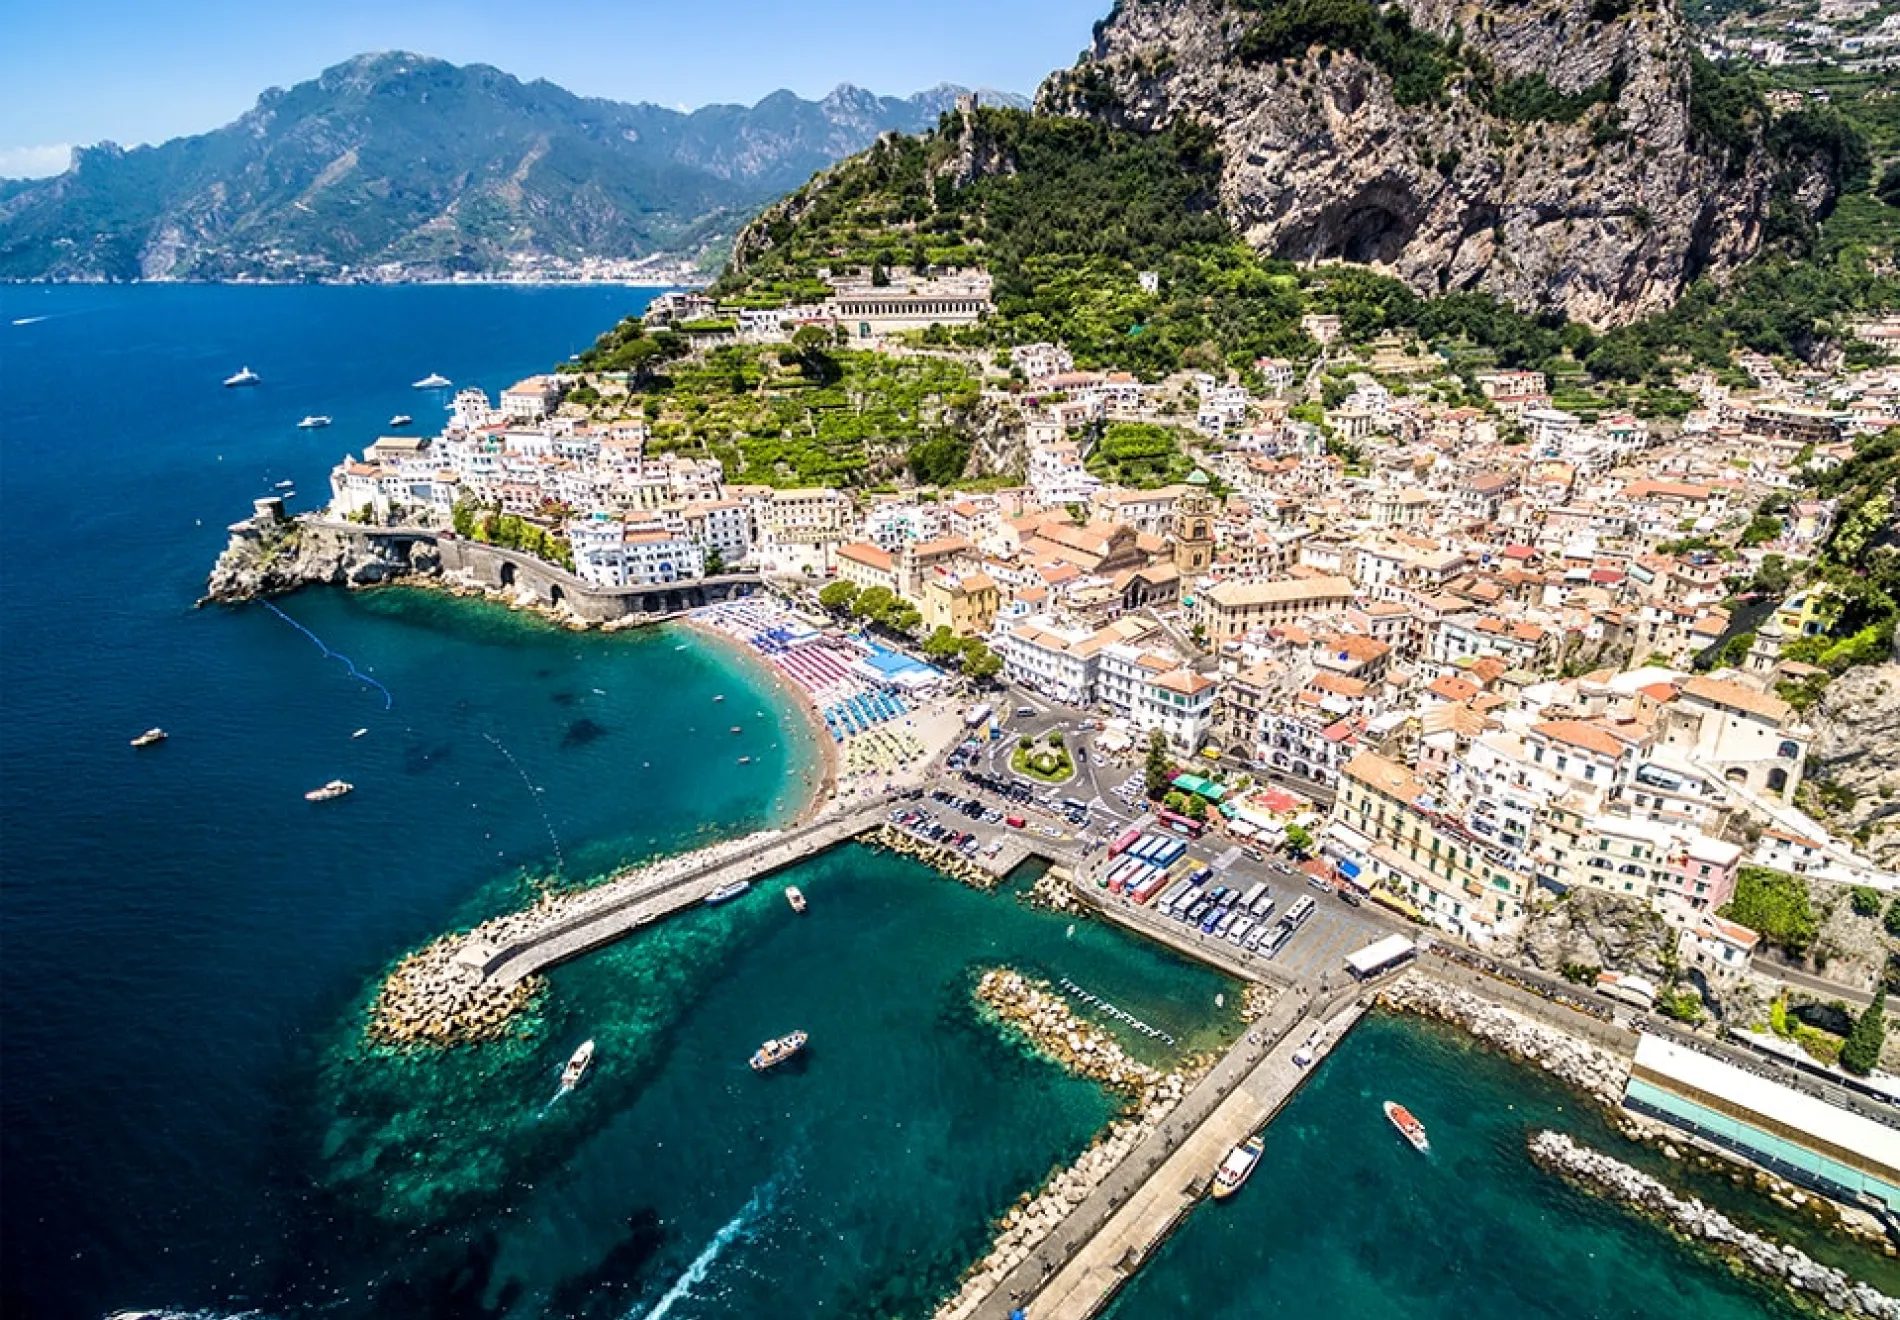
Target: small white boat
column 401, row 419
column 359, row 733
column 727, row 892
column 336, row 788
column 1409, row 1127
column 795, row 898
column 245, row 376
column 285, row 485
column 314, row 422
column 433, row 381
column 1238, row 1166
column 775, row 1052
column 577, row 1065
column 150, row 738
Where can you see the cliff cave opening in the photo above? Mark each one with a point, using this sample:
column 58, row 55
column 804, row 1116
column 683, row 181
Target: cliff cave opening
column 1371, row 227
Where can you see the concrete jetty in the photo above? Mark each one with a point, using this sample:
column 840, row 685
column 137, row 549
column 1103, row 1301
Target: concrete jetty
column 1081, row 1265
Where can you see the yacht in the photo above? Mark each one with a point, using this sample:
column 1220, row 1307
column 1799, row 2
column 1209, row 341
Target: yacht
column 727, row 892
column 577, row 1065
column 795, row 898
column 774, row 1052
column 150, row 737
column 1238, row 1166
column 336, row 788
column 433, row 381
column 1409, row 1127
column 244, row 377
column 401, row 419
column 313, row 422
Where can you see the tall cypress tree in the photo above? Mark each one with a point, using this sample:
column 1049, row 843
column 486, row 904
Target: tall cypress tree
column 1861, row 1054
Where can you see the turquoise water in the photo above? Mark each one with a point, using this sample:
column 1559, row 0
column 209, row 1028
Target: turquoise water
column 1342, row 1217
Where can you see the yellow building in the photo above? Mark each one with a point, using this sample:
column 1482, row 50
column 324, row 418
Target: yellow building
column 965, row 603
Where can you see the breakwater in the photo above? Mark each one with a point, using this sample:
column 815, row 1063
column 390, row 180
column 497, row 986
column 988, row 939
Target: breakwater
column 1588, row 1067
column 947, row 860
column 1805, row 1279
column 1039, row 1013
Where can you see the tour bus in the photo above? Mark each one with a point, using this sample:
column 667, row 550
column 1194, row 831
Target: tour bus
column 1124, row 843
column 1297, row 914
column 1180, row 824
column 1179, row 890
column 1262, row 907
column 1128, row 876
column 1119, row 873
column 1276, row 941
column 1254, row 891
column 1168, row 853
column 1149, row 887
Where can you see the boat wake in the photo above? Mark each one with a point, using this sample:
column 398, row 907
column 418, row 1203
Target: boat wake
column 739, row 1226
column 388, row 699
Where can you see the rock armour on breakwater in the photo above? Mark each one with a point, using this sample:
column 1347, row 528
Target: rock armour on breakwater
column 439, row 996
column 1043, row 1016
column 1583, row 1065
column 1806, row 1279
column 952, row 864
column 1053, row 891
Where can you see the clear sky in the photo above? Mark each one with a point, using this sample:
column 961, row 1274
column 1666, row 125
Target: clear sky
column 80, row 71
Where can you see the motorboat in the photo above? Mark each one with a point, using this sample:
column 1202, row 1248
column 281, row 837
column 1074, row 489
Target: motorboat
column 1238, row 1166
column 795, row 898
column 401, row 419
column 727, row 892
column 433, row 381
column 336, row 788
column 1409, row 1127
column 314, row 422
column 285, row 485
column 577, row 1065
column 150, row 738
column 245, row 376
column 774, row 1052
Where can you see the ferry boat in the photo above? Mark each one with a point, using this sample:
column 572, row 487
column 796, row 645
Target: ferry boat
column 401, row 419
column 336, row 788
column 245, row 376
column 150, row 737
column 433, row 381
column 774, row 1052
column 577, row 1066
column 795, row 898
column 1238, row 1166
column 727, row 892
column 314, row 422
column 1409, row 1127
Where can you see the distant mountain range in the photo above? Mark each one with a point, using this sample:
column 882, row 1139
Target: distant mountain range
column 400, row 166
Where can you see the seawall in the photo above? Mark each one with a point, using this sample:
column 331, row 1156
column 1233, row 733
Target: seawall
column 271, row 555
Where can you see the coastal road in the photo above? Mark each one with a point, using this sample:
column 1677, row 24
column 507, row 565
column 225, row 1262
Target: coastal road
column 1820, row 985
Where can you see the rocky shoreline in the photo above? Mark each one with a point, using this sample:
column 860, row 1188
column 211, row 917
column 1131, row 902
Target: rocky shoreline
column 1041, row 1015
column 1805, row 1279
column 1589, row 1068
column 951, row 863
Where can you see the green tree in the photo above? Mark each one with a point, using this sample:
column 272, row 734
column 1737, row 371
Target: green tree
column 715, row 562
column 942, row 646
column 1055, row 737
column 873, row 603
column 838, row 596
column 1299, row 840
column 1866, row 901
column 981, row 663
column 1861, row 1054
column 1891, row 921
column 1776, row 904
column 1159, row 770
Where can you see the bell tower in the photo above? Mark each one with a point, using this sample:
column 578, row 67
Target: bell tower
column 1194, row 527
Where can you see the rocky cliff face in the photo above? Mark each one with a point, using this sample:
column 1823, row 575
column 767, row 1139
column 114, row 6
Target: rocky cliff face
column 1857, row 746
column 271, row 560
column 1593, row 928
column 1483, row 185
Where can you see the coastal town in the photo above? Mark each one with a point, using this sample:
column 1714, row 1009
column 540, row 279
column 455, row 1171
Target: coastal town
column 1531, row 691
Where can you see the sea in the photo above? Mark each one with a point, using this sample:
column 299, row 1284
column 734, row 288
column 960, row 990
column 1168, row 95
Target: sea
column 191, row 1122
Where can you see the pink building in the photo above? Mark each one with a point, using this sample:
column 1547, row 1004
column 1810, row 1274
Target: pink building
column 1700, row 875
